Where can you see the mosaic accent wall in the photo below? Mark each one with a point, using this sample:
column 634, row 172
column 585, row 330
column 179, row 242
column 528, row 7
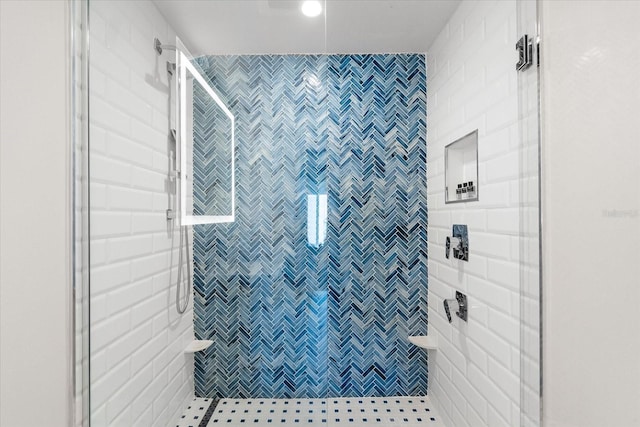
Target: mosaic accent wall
column 314, row 289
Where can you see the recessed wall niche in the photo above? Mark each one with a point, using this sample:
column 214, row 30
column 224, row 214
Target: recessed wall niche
column 461, row 169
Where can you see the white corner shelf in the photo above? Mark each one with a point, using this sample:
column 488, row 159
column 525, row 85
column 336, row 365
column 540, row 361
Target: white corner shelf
column 424, row 341
column 198, row 345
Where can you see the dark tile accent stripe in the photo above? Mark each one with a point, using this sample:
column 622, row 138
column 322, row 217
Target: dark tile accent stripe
column 207, row 415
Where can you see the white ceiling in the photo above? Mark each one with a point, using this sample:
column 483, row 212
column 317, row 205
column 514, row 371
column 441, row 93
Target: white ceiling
column 220, row 27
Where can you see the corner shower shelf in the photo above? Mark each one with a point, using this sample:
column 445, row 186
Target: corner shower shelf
column 424, row 341
column 197, row 345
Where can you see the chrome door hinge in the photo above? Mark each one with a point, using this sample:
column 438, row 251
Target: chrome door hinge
column 525, row 53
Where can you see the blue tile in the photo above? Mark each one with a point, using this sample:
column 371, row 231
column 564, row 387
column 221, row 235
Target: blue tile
column 290, row 319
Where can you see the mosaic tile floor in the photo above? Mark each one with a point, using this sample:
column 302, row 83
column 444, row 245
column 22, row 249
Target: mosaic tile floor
column 197, row 413
column 332, row 412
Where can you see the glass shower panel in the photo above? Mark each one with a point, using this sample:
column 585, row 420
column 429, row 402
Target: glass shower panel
column 529, row 221
column 314, row 289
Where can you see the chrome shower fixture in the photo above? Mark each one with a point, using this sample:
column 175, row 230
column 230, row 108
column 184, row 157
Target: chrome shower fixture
column 458, row 243
column 158, row 46
column 461, row 301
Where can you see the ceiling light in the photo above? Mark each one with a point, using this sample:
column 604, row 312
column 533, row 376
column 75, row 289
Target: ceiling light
column 311, row 8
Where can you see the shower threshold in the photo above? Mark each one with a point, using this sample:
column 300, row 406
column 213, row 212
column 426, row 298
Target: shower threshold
column 409, row 411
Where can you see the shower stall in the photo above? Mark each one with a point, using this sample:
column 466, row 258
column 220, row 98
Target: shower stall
column 266, row 225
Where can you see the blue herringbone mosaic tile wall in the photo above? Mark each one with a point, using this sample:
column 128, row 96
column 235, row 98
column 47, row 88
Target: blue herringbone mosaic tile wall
column 297, row 309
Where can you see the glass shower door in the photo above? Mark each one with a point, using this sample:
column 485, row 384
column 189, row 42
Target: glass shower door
column 529, row 244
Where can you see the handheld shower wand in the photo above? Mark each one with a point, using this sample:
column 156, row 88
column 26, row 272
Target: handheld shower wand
column 182, row 297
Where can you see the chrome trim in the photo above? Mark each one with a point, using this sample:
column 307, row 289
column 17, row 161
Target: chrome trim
column 71, row 218
column 528, row 20
column 540, row 212
column 159, row 47
column 78, row 14
column 86, row 238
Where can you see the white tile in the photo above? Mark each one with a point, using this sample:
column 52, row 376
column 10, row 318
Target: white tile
column 504, row 167
column 472, row 396
column 496, row 419
column 130, row 151
column 121, row 349
column 504, row 273
column 146, row 179
column 147, row 135
column 112, row 328
column 98, row 364
column 505, row 379
column 98, row 196
column 127, row 296
column 130, row 266
column 149, row 222
column 505, row 326
column 147, row 309
column 493, row 194
column 123, row 248
column 148, row 351
column 503, row 221
column 141, row 405
column 108, row 277
column 111, row 65
column 491, row 343
column 498, row 399
column 130, row 101
column 103, row 389
column 148, row 266
column 99, row 416
column 491, row 245
column 491, row 294
column 400, row 411
column 109, row 116
column 109, row 171
column 194, row 413
column 99, row 308
column 121, row 399
column 110, row 224
column 144, row 419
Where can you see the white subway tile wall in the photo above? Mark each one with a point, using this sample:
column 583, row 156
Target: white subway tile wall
column 139, row 373
column 472, row 84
